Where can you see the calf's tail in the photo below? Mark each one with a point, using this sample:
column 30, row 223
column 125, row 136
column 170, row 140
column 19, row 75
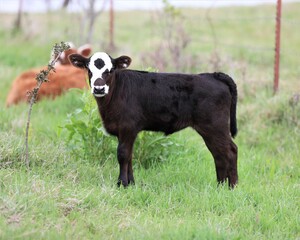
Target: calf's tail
column 233, row 90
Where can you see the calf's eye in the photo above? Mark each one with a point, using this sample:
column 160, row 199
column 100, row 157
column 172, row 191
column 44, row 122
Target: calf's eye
column 106, row 72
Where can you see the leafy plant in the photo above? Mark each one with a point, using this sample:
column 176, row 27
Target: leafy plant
column 152, row 148
column 86, row 136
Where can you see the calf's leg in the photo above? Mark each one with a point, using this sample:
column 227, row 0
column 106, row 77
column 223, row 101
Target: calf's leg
column 232, row 171
column 224, row 152
column 124, row 153
column 130, row 172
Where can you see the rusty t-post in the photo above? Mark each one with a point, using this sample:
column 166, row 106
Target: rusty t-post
column 111, row 26
column 277, row 47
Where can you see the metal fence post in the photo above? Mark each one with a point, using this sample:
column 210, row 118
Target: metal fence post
column 111, row 25
column 277, row 48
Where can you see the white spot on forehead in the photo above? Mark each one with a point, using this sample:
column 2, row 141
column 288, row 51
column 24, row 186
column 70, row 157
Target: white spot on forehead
column 105, row 58
column 96, row 72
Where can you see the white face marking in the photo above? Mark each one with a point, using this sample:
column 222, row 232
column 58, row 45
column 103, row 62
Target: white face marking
column 97, row 73
column 104, row 89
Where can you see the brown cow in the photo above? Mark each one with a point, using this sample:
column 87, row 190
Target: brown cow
column 64, row 78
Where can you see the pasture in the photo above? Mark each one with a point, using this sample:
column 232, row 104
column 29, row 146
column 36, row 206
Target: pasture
column 70, row 190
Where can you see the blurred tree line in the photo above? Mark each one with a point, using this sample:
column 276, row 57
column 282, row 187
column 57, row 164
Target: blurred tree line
column 89, row 14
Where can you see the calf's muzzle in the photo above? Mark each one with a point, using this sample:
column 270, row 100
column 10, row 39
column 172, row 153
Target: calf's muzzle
column 100, row 88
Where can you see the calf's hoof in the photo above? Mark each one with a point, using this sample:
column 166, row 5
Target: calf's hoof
column 125, row 184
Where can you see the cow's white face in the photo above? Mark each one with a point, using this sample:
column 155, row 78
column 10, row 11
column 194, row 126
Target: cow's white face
column 99, row 66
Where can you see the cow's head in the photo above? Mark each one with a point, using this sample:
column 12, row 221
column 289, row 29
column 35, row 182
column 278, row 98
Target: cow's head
column 99, row 66
column 84, row 50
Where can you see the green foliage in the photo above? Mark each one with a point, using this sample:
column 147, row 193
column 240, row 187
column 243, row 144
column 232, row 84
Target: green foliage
column 87, row 138
column 153, row 148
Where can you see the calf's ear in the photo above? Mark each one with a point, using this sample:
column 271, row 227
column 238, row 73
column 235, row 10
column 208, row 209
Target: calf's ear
column 122, row 62
column 78, row 60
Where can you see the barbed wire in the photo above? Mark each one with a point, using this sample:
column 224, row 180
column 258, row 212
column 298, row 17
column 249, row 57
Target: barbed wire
column 250, row 19
column 247, row 47
column 212, row 22
column 233, row 45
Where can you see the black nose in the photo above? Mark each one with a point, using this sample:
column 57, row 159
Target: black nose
column 99, row 90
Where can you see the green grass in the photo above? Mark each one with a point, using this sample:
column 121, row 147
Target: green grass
column 64, row 197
